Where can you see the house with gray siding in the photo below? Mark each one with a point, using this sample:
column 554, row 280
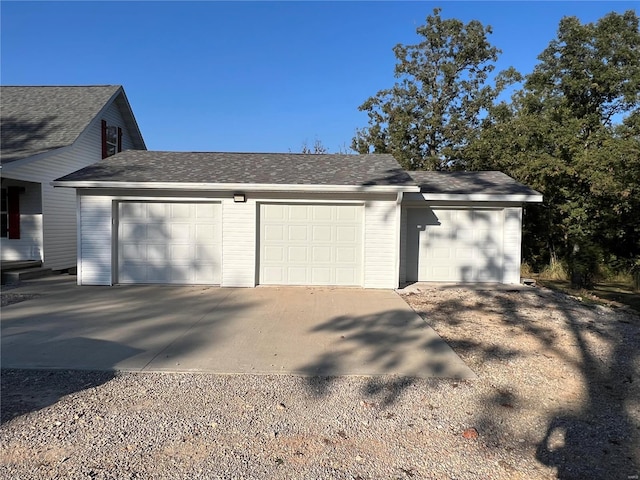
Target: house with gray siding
column 248, row 219
column 48, row 132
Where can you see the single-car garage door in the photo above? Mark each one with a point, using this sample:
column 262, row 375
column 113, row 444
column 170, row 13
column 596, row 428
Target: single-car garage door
column 310, row 244
column 177, row 243
column 454, row 245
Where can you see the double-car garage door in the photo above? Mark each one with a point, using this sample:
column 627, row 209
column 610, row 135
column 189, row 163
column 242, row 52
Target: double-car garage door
column 181, row 243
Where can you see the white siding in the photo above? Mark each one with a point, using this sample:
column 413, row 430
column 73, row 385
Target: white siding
column 240, row 233
column 380, row 244
column 95, row 252
column 403, row 247
column 29, row 245
column 239, row 243
column 59, row 204
column 512, row 244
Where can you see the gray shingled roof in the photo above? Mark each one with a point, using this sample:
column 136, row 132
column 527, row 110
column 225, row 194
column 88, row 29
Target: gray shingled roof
column 490, row 183
column 247, row 168
column 39, row 119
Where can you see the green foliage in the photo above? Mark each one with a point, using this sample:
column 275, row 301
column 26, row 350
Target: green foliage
column 435, row 108
column 573, row 133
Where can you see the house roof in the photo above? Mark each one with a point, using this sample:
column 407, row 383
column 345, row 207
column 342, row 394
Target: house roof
column 149, row 167
column 37, row 119
column 469, row 183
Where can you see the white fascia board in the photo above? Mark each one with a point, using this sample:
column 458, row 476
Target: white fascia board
column 247, row 187
column 482, row 197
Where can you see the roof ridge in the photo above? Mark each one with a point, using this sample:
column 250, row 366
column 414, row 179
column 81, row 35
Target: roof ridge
column 263, row 153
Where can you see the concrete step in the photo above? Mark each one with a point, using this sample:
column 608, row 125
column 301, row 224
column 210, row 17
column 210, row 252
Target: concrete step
column 16, row 276
column 9, row 265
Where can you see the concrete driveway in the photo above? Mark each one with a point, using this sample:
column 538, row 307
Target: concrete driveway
column 276, row 330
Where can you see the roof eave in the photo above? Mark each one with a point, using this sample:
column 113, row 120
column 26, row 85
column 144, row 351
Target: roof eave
column 253, row 187
column 484, row 197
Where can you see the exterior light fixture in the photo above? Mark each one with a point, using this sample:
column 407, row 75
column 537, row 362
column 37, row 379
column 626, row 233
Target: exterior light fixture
column 239, row 197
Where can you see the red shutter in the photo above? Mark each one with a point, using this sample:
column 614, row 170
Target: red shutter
column 119, row 139
column 13, row 200
column 104, row 139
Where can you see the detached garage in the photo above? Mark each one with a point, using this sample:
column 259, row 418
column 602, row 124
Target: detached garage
column 463, row 227
column 244, row 219
column 240, row 220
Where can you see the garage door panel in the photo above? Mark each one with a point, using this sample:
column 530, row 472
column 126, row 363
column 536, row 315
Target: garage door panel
column 133, row 250
column 346, row 255
column 464, row 253
column 206, row 252
column 182, row 274
column 348, row 214
column 205, row 234
column 298, row 213
column 180, row 232
column 132, row 210
column 346, row 233
column 180, row 253
column 321, row 254
column 322, row 214
column 273, row 275
column 464, row 235
column 346, row 276
column 297, row 254
column 274, row 232
column 321, row 276
column 273, row 254
column 156, row 210
column 321, row 233
column 315, row 244
column 156, row 253
column 438, row 253
column 454, row 245
column 153, row 231
column 298, row 233
column 297, row 275
column 179, row 210
column 174, row 242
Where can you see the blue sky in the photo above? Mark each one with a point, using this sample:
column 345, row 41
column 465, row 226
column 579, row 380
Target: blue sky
column 250, row 76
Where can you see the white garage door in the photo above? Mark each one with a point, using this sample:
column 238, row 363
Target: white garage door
column 310, row 244
column 449, row 245
column 177, row 243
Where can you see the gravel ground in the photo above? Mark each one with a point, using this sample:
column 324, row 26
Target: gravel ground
column 9, row 298
column 558, row 396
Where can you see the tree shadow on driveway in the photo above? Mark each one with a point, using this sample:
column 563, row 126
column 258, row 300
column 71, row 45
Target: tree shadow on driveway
column 393, row 348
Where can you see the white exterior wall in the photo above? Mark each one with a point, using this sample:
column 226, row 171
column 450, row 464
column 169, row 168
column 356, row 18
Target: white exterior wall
column 239, row 234
column 59, row 204
column 403, row 248
column 239, row 243
column 29, row 245
column 95, row 233
column 512, row 244
column 380, row 244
